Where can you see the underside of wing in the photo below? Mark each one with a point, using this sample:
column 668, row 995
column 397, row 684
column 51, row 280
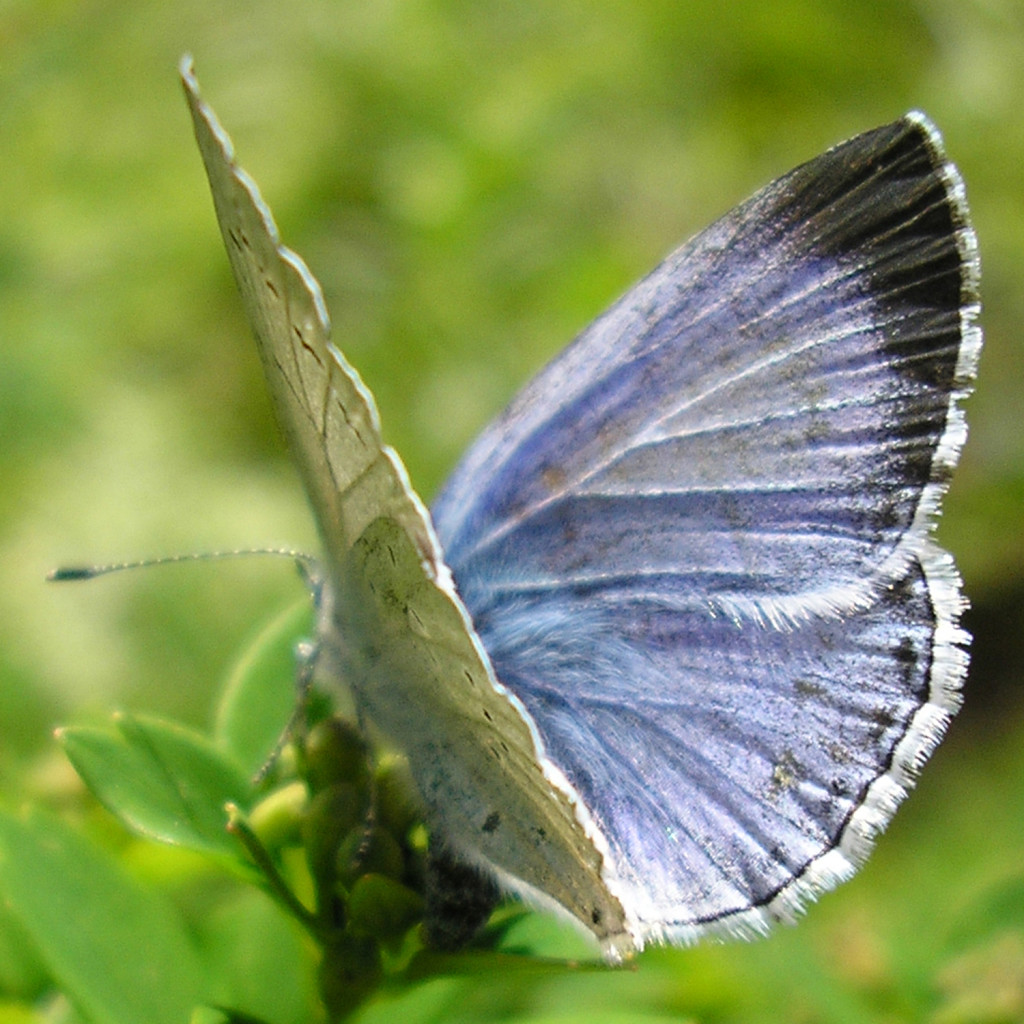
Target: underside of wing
column 697, row 546
column 326, row 413
column 391, row 628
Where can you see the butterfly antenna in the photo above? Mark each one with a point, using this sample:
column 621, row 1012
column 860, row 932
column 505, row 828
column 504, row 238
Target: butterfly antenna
column 90, row 572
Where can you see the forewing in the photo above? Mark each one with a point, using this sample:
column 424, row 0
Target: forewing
column 697, row 545
column 772, row 412
column 327, row 414
column 391, row 627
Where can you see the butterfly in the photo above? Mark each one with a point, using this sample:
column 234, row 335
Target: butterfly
column 674, row 639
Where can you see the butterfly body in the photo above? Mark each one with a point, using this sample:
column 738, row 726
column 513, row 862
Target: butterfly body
column 676, row 638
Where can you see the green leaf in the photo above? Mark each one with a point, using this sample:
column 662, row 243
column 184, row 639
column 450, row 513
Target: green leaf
column 264, row 961
column 116, row 949
column 162, row 780
column 21, row 972
column 547, row 937
column 260, row 693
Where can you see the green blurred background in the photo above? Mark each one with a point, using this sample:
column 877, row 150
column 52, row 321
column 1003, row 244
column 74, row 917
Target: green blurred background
column 472, row 182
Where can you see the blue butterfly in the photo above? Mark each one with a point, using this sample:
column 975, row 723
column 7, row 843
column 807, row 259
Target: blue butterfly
column 675, row 638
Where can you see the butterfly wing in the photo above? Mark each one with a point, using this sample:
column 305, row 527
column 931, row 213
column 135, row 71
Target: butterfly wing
column 391, row 626
column 327, row 414
column 697, row 546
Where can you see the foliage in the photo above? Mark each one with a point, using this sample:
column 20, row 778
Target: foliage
column 472, row 182
column 323, row 826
